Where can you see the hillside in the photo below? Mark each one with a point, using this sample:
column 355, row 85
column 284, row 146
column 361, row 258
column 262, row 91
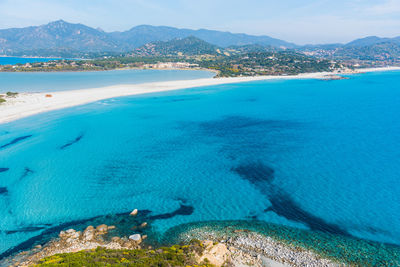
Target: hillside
column 188, row 46
column 369, row 51
column 56, row 35
column 60, row 38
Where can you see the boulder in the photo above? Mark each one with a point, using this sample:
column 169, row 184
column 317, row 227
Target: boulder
column 102, row 228
column 134, row 212
column 143, row 225
column 70, row 231
column 88, row 234
column 62, row 234
column 111, row 227
column 116, row 239
column 90, row 227
column 217, row 254
column 135, row 237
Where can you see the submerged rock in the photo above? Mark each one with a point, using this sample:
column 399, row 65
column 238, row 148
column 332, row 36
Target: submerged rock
column 134, row 212
column 143, row 225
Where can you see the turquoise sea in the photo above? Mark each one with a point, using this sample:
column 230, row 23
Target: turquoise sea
column 23, row 60
column 319, row 156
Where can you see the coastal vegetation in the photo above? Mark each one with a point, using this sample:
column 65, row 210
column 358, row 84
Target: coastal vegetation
column 193, row 53
column 3, row 97
column 166, row 256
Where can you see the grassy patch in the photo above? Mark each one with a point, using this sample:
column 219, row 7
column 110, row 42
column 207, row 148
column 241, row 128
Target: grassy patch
column 166, row 256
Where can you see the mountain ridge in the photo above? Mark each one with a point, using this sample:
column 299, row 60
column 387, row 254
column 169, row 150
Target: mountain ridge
column 75, row 36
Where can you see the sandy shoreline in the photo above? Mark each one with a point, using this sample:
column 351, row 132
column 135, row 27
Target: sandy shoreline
column 28, row 104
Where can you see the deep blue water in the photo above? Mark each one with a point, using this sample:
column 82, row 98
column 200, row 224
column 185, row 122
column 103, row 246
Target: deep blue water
column 22, row 60
column 58, row 81
column 318, row 155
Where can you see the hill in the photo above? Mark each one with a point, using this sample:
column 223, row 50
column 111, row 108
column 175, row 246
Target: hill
column 143, row 34
column 61, row 38
column 56, row 35
column 189, row 46
column 373, row 40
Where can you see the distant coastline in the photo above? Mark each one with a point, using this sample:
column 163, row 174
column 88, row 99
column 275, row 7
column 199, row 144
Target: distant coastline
column 30, row 57
column 28, row 104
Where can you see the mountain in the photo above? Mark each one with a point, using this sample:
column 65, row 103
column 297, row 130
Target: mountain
column 373, row 40
column 56, row 35
column 188, row 46
column 63, row 36
column 143, row 34
column 385, row 51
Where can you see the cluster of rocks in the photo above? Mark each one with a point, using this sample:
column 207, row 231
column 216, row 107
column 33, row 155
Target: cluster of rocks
column 73, row 241
column 220, row 254
column 267, row 248
column 94, row 237
column 247, row 248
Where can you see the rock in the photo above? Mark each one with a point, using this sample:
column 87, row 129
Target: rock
column 62, row 234
column 90, row 227
column 143, row 225
column 76, row 235
column 216, row 254
column 111, row 227
column 102, row 228
column 116, row 239
column 70, row 231
column 134, row 212
column 127, row 244
column 144, row 237
column 135, row 237
column 88, row 234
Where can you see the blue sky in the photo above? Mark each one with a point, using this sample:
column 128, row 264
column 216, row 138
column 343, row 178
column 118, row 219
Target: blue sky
column 300, row 21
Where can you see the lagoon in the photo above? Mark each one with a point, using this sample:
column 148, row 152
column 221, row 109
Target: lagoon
column 61, row 81
column 23, row 60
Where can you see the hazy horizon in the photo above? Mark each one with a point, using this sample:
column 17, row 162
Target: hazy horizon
column 309, row 22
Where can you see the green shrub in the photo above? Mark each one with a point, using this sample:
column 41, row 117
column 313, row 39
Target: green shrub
column 165, row 256
column 11, row 94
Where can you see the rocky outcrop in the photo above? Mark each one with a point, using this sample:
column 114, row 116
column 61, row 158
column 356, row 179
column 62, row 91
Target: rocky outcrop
column 221, row 254
column 73, row 241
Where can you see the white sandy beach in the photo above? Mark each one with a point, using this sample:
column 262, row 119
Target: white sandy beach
column 27, row 104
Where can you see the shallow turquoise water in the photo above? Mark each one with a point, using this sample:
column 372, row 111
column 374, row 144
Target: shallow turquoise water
column 59, row 81
column 319, row 155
